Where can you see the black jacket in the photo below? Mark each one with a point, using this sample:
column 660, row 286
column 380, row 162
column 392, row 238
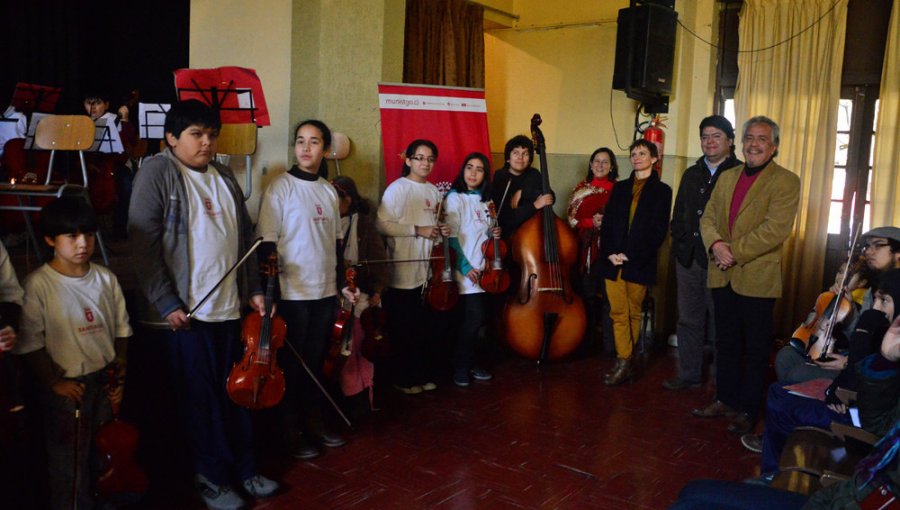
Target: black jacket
column 529, row 183
column 641, row 241
column 693, row 193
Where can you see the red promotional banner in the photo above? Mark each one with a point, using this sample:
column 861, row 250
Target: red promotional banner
column 455, row 119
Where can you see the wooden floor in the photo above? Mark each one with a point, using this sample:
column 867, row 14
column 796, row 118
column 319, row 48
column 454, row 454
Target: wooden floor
column 549, row 438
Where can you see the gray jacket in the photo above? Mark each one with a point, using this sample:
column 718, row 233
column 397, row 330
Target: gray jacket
column 157, row 227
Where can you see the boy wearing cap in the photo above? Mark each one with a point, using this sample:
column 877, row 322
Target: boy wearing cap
column 695, row 307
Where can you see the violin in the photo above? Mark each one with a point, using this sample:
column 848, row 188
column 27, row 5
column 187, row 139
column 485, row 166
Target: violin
column 494, row 277
column 815, row 336
column 544, row 319
column 442, row 292
column 117, row 441
column 375, row 344
column 341, row 332
column 256, row 381
column 816, row 332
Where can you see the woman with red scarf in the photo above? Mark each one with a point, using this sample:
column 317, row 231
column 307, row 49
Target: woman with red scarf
column 585, row 213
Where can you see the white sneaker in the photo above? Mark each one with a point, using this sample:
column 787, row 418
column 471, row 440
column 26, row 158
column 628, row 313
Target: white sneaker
column 217, row 497
column 260, row 487
column 429, row 386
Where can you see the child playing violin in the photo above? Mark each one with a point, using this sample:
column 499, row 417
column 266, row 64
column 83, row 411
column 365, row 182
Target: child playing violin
column 468, row 218
column 74, row 329
column 300, row 218
column 361, row 243
column 407, row 216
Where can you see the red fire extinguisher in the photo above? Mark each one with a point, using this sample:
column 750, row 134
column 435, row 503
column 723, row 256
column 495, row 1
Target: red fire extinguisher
column 655, row 134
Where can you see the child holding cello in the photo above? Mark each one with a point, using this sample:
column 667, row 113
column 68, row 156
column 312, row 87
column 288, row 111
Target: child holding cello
column 299, row 217
column 407, row 216
column 470, row 227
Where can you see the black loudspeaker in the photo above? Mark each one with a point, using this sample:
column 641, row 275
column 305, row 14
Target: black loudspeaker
column 645, row 51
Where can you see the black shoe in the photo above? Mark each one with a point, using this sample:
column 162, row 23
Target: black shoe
column 678, row 384
column 741, row 424
column 306, row 450
column 327, row 438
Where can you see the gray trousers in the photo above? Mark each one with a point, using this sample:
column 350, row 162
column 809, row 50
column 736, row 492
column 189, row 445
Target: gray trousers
column 695, row 320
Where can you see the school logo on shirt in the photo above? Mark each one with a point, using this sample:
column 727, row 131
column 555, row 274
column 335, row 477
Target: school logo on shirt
column 319, row 209
column 89, row 315
column 428, row 203
column 207, row 203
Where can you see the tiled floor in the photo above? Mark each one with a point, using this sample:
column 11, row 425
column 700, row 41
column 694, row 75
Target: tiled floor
column 549, row 438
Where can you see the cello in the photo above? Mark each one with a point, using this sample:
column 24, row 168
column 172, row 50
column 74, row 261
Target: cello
column 544, row 319
column 256, row 381
column 494, row 277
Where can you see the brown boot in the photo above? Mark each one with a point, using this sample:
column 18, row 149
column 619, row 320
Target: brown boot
column 620, row 373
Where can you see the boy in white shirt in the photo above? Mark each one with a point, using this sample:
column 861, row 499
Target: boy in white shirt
column 74, row 329
column 189, row 225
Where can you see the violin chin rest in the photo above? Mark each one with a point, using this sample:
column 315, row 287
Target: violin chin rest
column 798, row 345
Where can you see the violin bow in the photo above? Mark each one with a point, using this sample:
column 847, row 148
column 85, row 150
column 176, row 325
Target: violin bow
column 319, row 384
column 832, row 322
column 222, row 280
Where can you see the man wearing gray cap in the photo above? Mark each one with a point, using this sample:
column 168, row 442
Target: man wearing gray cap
column 695, row 306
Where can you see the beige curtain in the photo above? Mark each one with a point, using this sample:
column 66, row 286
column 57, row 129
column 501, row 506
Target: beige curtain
column 797, row 84
column 444, row 43
column 885, row 185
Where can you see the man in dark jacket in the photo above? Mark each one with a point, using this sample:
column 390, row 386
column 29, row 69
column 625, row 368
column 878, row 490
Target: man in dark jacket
column 695, row 306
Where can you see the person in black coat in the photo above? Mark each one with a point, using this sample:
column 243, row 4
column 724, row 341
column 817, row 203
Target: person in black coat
column 635, row 225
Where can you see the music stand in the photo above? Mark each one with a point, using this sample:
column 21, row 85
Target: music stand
column 36, row 119
column 235, row 92
column 152, row 120
column 29, row 98
column 106, row 138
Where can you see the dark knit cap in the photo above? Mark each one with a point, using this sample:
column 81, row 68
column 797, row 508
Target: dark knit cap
column 889, row 283
column 718, row 122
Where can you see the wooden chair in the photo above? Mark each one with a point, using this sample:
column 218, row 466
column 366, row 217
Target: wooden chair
column 55, row 133
column 239, row 140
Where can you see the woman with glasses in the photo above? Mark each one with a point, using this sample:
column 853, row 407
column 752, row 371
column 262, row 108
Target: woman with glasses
column 585, row 211
column 407, row 217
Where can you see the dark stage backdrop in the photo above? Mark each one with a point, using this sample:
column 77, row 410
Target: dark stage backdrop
column 89, row 44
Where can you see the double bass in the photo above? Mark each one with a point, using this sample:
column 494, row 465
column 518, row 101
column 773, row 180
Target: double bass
column 256, row 381
column 544, row 319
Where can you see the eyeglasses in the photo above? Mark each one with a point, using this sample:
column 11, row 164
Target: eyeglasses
column 874, row 246
column 422, row 159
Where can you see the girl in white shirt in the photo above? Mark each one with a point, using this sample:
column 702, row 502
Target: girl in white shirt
column 407, row 217
column 469, row 221
column 300, row 218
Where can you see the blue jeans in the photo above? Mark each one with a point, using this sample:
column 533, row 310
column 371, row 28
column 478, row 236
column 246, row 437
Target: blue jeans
column 217, row 430
column 60, row 429
column 784, row 413
column 722, row 495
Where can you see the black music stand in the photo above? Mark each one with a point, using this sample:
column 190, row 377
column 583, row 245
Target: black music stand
column 152, row 120
column 235, row 92
column 29, row 98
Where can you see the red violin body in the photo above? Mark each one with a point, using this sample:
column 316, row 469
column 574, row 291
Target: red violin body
column 256, row 381
column 494, row 277
column 116, row 443
column 443, row 292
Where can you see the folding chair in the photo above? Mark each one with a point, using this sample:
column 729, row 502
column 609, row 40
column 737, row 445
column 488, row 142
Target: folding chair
column 239, row 140
column 55, row 132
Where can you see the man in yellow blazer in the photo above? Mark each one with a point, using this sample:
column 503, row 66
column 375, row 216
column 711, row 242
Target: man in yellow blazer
column 749, row 216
